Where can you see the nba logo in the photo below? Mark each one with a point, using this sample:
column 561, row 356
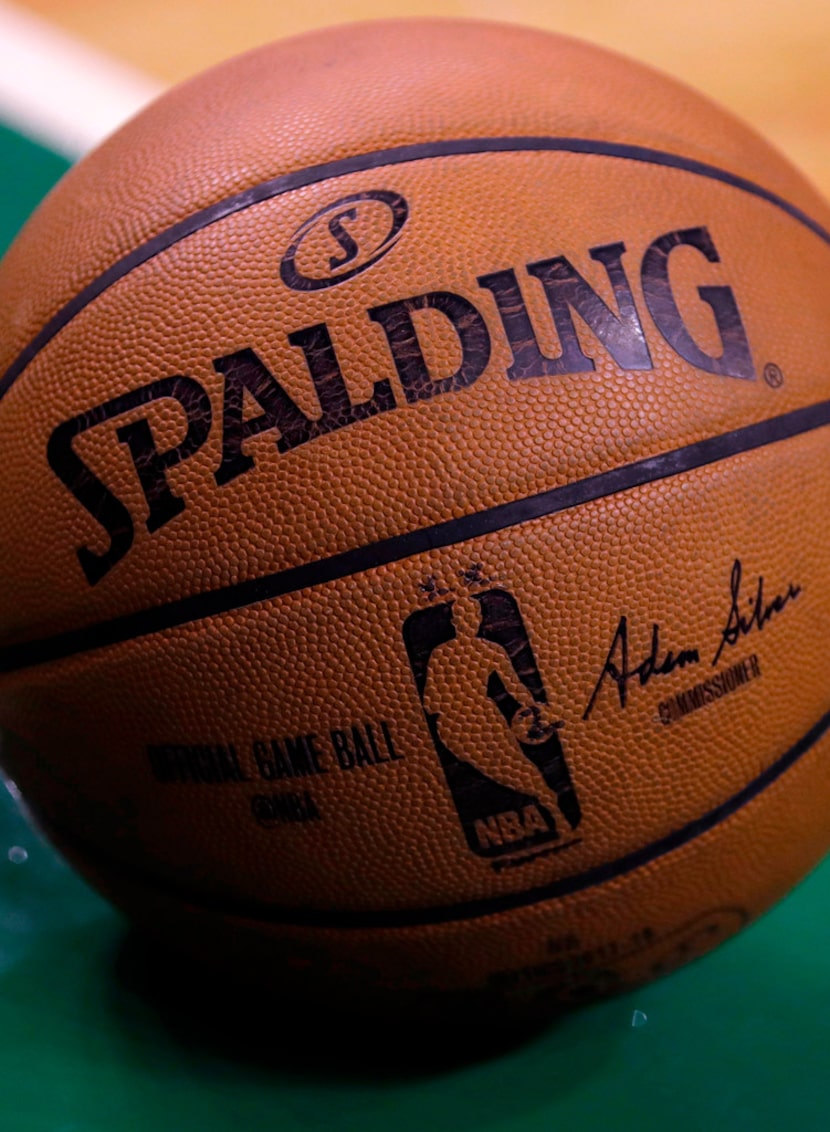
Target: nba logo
column 486, row 709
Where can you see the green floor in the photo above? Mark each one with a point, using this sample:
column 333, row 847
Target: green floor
column 27, row 172
column 100, row 1036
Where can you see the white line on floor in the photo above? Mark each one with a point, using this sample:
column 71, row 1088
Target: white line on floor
column 59, row 91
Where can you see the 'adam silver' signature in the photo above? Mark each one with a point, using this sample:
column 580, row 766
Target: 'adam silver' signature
column 662, row 661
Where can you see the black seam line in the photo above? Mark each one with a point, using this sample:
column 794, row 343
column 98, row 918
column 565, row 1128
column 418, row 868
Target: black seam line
column 379, row 159
column 396, row 548
column 349, row 919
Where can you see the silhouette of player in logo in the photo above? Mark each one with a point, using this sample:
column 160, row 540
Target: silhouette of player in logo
column 487, row 711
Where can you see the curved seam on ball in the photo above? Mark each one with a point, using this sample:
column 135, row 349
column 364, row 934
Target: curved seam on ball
column 422, row 540
column 355, row 919
column 267, row 190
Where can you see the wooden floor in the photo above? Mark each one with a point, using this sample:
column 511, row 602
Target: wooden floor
column 768, row 61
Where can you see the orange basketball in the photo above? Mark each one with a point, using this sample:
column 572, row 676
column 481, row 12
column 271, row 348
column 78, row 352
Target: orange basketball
column 415, row 515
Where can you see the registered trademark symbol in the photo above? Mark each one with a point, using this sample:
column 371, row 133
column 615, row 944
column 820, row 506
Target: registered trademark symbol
column 773, row 375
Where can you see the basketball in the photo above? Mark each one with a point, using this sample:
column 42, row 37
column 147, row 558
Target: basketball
column 415, row 516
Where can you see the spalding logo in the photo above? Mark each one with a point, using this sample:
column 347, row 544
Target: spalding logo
column 346, row 220
column 401, row 371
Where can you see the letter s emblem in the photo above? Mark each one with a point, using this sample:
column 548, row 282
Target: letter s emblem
column 349, row 226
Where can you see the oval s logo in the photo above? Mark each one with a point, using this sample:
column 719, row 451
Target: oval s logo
column 343, row 239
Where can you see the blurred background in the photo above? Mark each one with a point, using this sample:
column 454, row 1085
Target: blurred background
column 766, row 60
column 98, row 1036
